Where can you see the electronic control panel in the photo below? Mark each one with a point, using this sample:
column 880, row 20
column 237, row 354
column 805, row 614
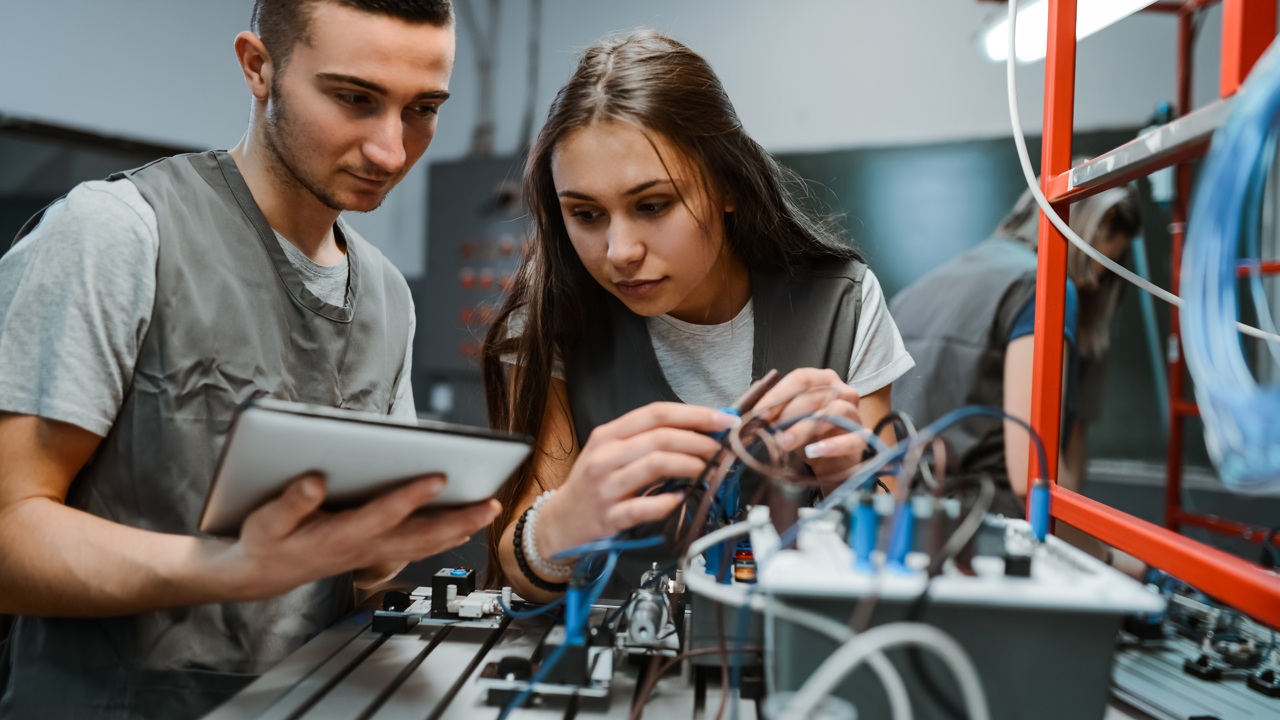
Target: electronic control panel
column 476, row 236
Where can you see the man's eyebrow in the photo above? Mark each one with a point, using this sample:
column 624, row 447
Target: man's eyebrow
column 633, row 191
column 353, row 80
column 374, row 87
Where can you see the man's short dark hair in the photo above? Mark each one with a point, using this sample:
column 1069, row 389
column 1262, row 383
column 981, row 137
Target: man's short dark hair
column 282, row 24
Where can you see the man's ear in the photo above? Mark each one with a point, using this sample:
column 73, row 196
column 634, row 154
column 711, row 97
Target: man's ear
column 255, row 62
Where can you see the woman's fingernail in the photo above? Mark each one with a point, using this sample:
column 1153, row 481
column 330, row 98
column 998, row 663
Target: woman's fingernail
column 726, row 420
column 310, row 488
column 817, row 450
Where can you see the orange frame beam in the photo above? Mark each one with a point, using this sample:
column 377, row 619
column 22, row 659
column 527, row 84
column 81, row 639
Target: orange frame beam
column 1236, row 582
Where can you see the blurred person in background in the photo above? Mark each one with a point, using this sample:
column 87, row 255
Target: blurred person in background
column 970, row 326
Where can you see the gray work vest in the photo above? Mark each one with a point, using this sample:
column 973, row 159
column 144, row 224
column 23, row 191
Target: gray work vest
column 231, row 321
column 809, row 320
column 955, row 321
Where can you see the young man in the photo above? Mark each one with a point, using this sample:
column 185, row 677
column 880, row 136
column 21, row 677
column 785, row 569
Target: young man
column 137, row 313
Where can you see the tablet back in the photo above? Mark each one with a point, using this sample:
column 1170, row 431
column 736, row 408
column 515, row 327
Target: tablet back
column 362, row 455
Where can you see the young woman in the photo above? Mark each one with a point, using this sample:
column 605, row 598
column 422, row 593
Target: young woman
column 670, row 263
column 970, row 325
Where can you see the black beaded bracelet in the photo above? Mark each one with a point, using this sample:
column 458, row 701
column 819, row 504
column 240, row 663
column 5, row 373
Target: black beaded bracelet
column 524, row 563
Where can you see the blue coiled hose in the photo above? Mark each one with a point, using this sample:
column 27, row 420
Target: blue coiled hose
column 1241, row 418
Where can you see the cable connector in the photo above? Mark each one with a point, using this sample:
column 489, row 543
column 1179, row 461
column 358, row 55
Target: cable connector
column 1039, row 510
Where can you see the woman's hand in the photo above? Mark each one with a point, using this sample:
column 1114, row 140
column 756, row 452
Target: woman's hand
column 831, row 452
column 620, row 459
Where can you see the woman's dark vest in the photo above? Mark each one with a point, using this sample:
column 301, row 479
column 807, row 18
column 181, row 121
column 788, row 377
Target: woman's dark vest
column 808, row 320
column 231, row 321
column 955, row 321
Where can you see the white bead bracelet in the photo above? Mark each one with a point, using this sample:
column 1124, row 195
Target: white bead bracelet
column 543, row 567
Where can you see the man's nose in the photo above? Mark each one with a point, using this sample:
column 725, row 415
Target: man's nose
column 385, row 146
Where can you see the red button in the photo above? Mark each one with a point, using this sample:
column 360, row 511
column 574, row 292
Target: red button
column 486, row 279
column 467, row 315
column 467, row 249
column 506, row 281
column 467, row 277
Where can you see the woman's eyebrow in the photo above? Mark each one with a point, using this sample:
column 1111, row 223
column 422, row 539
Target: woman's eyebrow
column 633, row 191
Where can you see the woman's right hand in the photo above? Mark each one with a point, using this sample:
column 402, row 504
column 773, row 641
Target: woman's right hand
column 620, row 459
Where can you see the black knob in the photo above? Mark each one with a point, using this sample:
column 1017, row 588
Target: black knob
column 1017, row 565
column 514, row 667
column 396, row 601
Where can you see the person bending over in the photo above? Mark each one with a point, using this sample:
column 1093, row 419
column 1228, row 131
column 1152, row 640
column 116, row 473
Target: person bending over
column 970, row 325
column 670, row 266
column 137, row 314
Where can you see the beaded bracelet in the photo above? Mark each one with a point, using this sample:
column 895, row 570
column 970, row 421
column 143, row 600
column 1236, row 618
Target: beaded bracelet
column 524, row 564
column 543, row 567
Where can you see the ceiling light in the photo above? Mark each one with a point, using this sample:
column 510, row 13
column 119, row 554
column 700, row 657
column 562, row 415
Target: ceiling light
column 1033, row 26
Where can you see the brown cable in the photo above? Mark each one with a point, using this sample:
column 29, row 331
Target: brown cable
column 652, row 680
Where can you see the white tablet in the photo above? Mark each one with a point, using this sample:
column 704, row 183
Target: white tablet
column 361, row 454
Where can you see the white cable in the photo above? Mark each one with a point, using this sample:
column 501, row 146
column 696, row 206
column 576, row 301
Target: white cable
column 895, row 688
column 1025, row 157
column 852, row 654
column 700, row 583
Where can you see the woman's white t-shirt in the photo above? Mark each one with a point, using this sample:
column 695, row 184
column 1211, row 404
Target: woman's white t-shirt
column 710, row 365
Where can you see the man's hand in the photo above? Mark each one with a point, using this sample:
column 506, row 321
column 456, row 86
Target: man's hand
column 290, row 541
column 621, row 458
column 831, row 452
column 57, row 561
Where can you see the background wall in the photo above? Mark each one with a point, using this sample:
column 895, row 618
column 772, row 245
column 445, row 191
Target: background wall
column 806, row 76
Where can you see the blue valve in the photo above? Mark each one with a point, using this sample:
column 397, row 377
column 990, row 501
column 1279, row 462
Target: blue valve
column 866, row 524
column 900, row 543
column 1040, row 498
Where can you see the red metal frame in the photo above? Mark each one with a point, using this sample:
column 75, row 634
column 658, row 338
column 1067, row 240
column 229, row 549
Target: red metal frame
column 1248, row 28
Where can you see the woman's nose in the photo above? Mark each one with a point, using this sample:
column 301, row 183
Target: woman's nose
column 626, row 246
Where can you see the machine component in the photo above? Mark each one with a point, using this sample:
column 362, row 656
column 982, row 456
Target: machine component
column 574, row 666
column 744, row 563
column 1072, row 605
column 396, row 601
column 583, row 674
column 647, row 619
column 647, row 625
column 476, row 237
column 458, row 602
column 1203, row 668
column 1225, row 662
column 1266, row 683
column 514, row 667
column 479, row 604
column 449, row 584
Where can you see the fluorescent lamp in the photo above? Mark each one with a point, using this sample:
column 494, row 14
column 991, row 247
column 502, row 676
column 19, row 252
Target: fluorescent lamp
column 1033, row 26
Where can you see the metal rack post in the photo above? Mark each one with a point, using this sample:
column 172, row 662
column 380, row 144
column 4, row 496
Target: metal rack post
column 1248, row 27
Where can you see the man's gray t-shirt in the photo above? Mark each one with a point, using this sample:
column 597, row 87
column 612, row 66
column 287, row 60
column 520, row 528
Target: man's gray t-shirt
column 327, row 282
column 76, row 298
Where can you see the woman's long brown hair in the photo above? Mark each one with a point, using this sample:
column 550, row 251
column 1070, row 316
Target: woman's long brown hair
column 665, row 89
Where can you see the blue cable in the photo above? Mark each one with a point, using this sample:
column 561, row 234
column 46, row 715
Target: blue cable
column 847, row 490
column 593, row 594
column 609, row 544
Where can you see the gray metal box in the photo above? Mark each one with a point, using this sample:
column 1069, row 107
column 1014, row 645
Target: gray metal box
column 1043, row 645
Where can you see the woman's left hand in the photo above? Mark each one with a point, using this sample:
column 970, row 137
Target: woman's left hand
column 831, row 452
